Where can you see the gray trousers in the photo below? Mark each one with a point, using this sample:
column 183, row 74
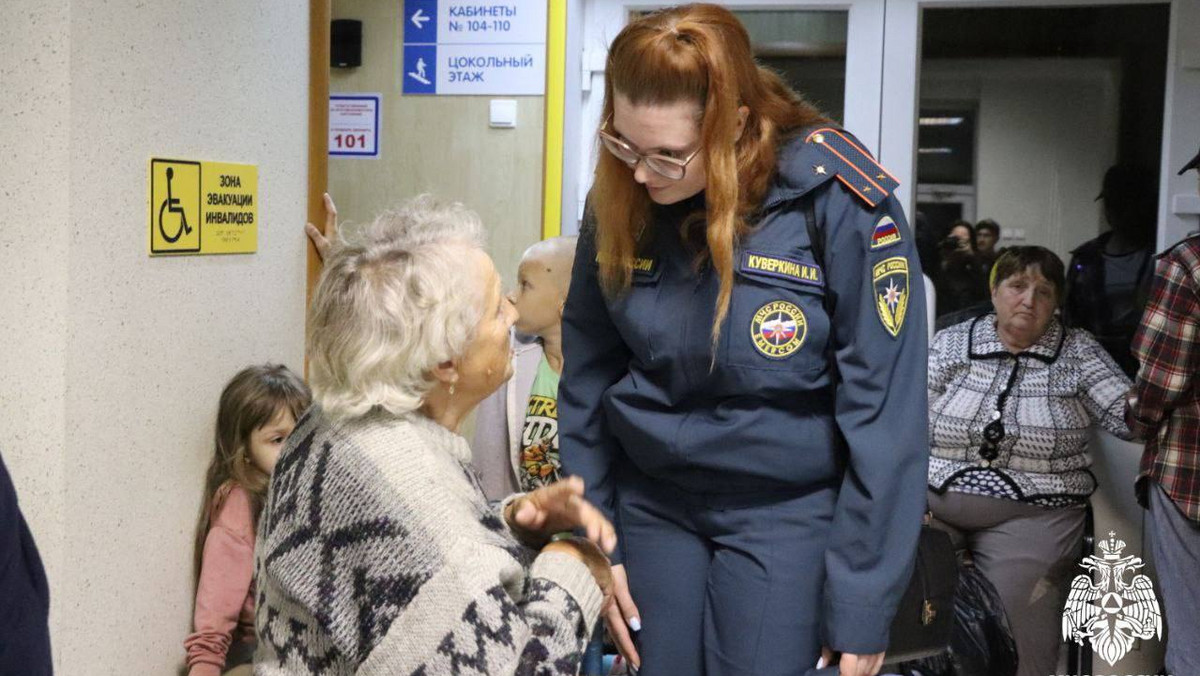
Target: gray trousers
column 1030, row 554
column 1176, row 544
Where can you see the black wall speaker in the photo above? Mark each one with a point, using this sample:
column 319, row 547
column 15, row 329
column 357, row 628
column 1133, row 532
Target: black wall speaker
column 345, row 43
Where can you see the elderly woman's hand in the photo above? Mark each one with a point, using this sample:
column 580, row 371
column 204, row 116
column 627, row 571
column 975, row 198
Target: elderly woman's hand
column 596, row 561
column 556, row 508
column 324, row 241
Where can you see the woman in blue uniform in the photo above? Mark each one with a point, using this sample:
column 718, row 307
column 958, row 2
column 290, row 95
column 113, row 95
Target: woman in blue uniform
column 744, row 386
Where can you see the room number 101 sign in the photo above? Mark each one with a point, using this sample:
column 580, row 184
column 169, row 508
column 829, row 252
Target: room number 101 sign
column 354, row 125
column 349, row 141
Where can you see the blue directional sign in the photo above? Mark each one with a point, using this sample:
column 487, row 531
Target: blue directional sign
column 484, row 47
column 420, row 69
column 420, row 22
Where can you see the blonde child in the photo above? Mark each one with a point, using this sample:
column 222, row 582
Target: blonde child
column 258, row 410
column 516, row 429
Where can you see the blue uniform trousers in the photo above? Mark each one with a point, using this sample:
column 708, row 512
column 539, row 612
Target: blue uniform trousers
column 727, row 585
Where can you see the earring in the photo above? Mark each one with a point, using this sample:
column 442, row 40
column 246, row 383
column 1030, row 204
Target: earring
column 452, row 389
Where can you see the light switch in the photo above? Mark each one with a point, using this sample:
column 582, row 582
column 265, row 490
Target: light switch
column 502, row 113
column 1190, row 59
column 1185, row 204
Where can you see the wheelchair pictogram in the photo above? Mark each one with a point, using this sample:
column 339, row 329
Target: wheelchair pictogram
column 175, row 209
column 171, row 205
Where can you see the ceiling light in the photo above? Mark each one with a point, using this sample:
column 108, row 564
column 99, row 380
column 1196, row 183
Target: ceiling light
column 940, row 121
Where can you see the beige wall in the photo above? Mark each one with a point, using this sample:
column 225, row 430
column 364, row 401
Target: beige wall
column 438, row 144
column 35, row 196
column 1047, row 131
column 108, row 403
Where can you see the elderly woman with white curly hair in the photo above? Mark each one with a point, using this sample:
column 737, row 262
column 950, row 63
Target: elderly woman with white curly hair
column 377, row 551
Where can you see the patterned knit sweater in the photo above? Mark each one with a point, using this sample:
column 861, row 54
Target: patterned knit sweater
column 1046, row 398
column 378, row 554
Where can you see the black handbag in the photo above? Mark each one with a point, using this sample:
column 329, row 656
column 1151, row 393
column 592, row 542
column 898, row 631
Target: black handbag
column 981, row 642
column 925, row 616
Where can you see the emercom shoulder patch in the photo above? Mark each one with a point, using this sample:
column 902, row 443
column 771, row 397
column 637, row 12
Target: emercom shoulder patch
column 889, row 277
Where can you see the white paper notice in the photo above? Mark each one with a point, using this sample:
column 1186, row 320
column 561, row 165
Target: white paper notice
column 354, row 125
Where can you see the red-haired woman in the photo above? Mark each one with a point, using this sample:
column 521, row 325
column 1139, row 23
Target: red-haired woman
column 744, row 387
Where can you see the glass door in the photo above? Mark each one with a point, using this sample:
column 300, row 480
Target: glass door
column 1065, row 123
column 1143, row 72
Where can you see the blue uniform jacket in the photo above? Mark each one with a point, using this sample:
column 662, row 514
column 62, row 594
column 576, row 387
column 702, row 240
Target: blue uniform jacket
column 24, row 594
column 637, row 387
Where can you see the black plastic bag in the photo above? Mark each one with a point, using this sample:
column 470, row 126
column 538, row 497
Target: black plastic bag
column 981, row 643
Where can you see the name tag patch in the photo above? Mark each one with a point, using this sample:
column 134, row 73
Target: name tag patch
column 780, row 267
column 643, row 266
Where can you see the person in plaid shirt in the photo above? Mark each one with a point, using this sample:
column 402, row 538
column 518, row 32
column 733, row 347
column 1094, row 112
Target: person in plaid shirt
column 1164, row 407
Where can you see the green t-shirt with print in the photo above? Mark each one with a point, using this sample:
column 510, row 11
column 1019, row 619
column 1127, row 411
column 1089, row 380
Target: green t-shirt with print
column 539, row 438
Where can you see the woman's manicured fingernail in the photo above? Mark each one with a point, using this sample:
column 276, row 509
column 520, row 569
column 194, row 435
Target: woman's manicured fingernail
column 635, row 624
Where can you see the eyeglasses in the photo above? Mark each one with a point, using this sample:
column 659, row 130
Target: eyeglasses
column 667, row 167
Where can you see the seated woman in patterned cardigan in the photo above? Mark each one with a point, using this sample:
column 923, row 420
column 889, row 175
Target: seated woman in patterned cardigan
column 377, row 552
column 1011, row 397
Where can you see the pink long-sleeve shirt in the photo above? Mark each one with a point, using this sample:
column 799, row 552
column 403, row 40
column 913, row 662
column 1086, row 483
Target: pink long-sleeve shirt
column 225, row 595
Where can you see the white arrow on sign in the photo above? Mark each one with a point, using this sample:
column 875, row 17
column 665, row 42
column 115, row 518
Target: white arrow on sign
column 419, row 19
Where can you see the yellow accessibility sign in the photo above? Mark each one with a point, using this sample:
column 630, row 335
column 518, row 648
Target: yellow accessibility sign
column 199, row 207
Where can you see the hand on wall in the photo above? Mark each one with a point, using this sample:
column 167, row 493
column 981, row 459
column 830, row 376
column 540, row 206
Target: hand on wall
column 324, row 241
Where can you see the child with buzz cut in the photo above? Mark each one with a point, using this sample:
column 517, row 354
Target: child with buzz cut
column 516, row 429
